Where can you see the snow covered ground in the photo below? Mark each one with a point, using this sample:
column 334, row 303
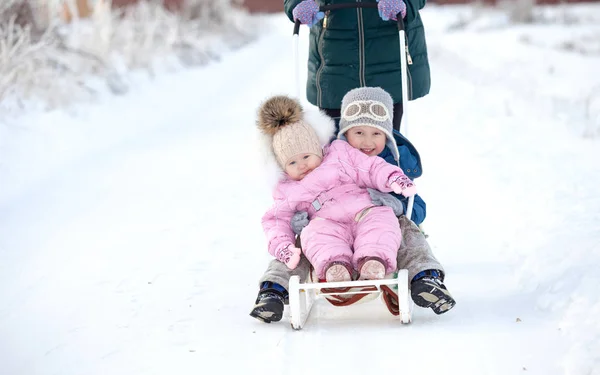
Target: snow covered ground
column 130, row 238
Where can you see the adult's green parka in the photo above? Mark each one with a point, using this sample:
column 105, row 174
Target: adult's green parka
column 353, row 48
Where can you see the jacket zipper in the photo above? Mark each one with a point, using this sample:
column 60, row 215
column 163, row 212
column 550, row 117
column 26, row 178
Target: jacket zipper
column 408, row 58
column 320, row 52
column 361, row 47
column 410, row 88
column 408, row 62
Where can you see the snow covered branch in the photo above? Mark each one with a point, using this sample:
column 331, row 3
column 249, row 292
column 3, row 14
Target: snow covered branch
column 21, row 58
column 110, row 44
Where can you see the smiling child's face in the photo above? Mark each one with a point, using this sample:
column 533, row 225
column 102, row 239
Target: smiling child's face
column 300, row 165
column 369, row 140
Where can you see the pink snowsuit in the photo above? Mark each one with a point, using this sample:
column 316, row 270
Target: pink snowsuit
column 342, row 216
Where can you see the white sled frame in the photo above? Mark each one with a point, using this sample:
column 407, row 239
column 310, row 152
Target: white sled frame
column 300, row 308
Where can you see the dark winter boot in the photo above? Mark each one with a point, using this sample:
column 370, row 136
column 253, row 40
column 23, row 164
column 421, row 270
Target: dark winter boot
column 269, row 303
column 427, row 290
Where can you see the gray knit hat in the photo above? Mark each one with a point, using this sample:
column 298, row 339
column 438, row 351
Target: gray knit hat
column 369, row 106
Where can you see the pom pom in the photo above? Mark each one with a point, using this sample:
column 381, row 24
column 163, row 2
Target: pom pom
column 276, row 112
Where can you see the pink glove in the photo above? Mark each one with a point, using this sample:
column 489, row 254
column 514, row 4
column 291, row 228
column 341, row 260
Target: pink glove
column 307, row 12
column 288, row 254
column 406, row 188
column 388, row 9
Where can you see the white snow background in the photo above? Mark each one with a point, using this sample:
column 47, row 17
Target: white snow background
column 130, row 237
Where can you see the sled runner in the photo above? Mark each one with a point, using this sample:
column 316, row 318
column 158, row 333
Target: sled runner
column 395, row 291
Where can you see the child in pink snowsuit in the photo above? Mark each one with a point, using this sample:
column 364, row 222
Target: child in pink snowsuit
column 346, row 231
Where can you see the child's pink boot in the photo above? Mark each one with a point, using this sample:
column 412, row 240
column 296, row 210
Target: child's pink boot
column 372, row 269
column 338, row 272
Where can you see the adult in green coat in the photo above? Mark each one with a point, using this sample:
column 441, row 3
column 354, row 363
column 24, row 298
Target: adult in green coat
column 350, row 48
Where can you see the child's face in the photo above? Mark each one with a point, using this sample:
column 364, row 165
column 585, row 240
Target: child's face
column 301, row 165
column 369, row 140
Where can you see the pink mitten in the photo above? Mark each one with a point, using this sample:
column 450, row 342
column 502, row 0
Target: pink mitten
column 290, row 255
column 410, row 190
column 406, row 188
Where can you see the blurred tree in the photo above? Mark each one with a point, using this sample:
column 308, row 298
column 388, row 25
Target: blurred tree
column 23, row 13
column 75, row 8
column 519, row 11
column 263, row 6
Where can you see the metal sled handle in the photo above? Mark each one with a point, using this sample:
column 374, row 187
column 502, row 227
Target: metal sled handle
column 403, row 65
column 325, row 8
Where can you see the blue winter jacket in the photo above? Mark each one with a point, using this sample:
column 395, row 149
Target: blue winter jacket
column 411, row 166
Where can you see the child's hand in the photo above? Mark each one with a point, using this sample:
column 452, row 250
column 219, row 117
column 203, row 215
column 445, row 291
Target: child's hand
column 299, row 221
column 290, row 255
column 294, row 258
column 385, row 199
column 307, row 12
column 408, row 189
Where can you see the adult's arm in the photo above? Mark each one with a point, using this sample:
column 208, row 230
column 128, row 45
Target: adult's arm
column 412, row 9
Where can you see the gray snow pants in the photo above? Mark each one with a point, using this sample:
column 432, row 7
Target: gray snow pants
column 414, row 254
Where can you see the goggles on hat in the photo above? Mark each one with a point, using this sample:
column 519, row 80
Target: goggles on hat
column 366, row 108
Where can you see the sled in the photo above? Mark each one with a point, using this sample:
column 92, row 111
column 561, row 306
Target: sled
column 302, row 296
column 300, row 308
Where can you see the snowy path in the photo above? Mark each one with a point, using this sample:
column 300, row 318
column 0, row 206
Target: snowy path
column 141, row 256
